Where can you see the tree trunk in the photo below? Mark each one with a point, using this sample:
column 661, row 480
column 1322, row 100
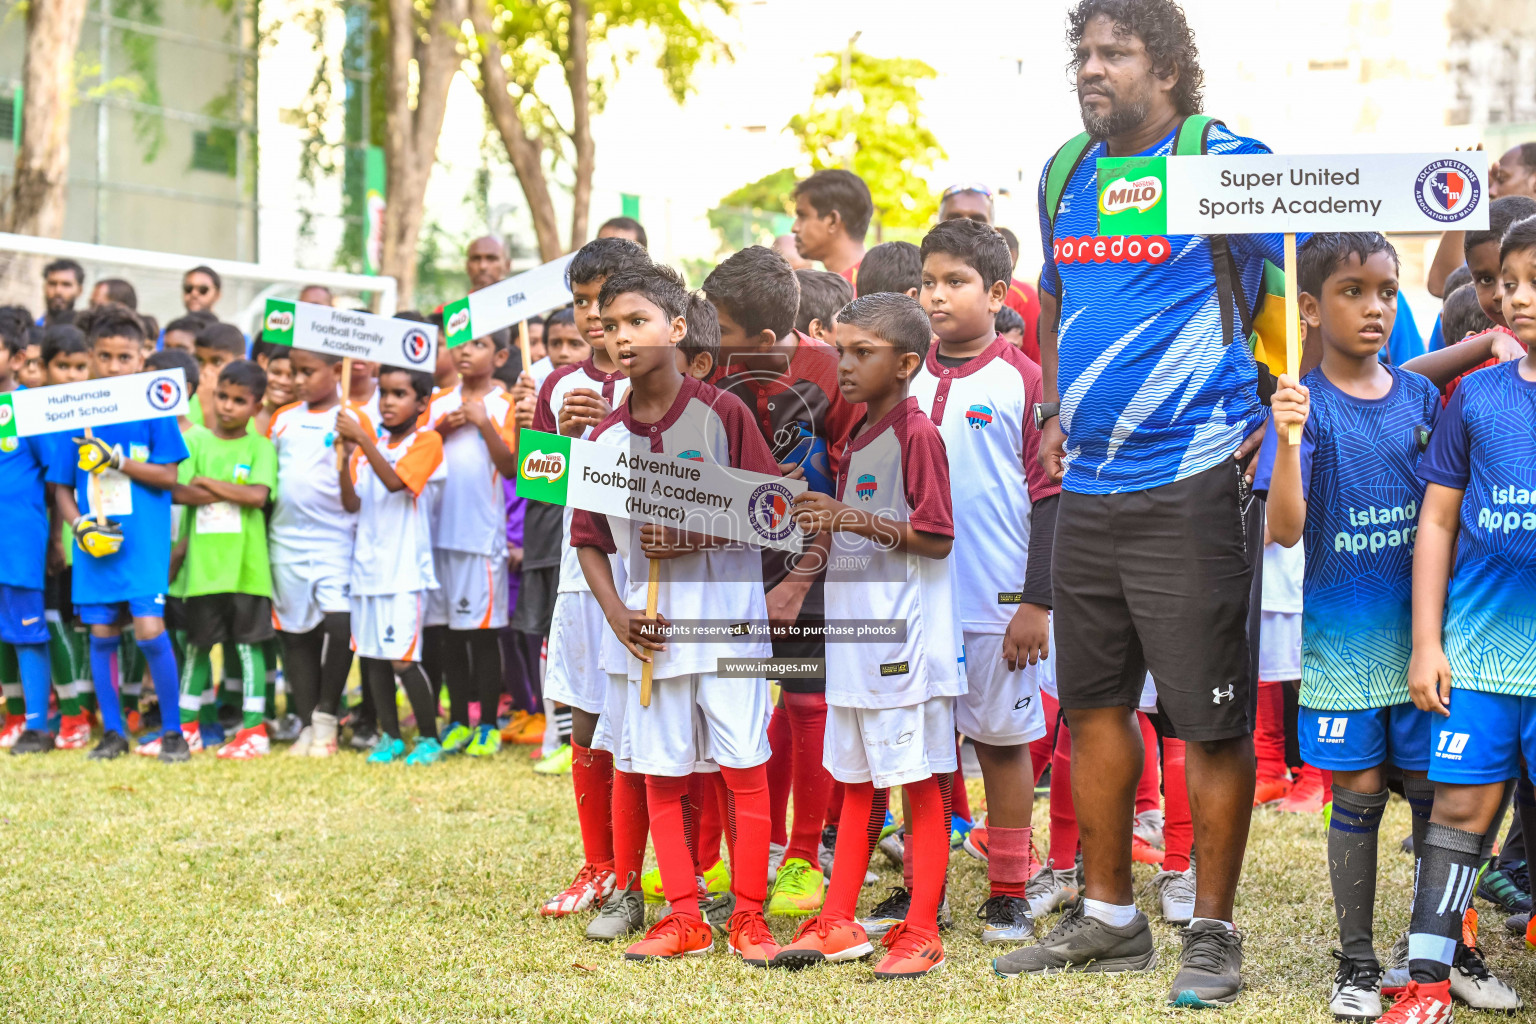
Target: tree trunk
column 581, row 122
column 524, row 150
column 36, row 203
column 411, row 136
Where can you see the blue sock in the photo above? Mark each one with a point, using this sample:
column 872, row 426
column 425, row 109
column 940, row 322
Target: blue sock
column 35, row 683
column 103, row 649
column 161, row 657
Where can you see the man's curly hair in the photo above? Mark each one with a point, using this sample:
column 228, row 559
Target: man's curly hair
column 1161, row 27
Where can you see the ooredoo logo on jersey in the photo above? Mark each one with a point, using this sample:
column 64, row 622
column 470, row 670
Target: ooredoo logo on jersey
column 1447, row 190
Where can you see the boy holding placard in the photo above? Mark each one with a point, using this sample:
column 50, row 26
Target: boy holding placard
column 891, row 704
column 122, row 476
column 695, row 719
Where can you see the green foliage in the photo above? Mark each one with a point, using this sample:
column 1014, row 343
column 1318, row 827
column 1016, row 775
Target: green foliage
column 757, row 212
column 875, row 129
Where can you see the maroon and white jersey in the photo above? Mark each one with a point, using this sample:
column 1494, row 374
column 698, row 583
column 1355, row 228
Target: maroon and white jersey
column 895, row 469
column 985, row 410
column 546, row 417
column 723, row 584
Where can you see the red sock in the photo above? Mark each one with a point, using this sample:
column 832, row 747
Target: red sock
column 1040, row 750
column 1008, row 860
column 1063, row 814
column 781, row 773
column 812, row 781
column 670, row 825
column 1146, row 789
column 928, row 840
column 1269, row 732
column 592, row 778
column 631, row 820
column 858, row 831
column 1178, row 828
column 708, row 825
column 835, row 803
column 960, row 800
column 747, row 820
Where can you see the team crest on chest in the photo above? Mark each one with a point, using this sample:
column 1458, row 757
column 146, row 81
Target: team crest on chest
column 866, row 486
column 978, row 416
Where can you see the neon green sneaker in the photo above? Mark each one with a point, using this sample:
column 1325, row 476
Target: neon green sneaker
column 557, row 763
column 456, row 737
column 650, row 884
column 718, row 878
column 797, row 892
column 487, row 742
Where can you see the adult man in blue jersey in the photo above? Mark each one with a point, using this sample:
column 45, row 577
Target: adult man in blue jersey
column 1159, row 412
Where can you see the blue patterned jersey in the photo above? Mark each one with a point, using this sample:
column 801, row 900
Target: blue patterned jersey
column 1486, row 445
column 1150, row 390
column 1359, row 458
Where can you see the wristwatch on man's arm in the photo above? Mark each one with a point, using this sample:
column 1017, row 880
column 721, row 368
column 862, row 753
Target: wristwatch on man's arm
column 1045, row 411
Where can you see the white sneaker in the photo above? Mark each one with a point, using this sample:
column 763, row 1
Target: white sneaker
column 775, row 858
column 1149, row 826
column 1471, row 983
column 1396, row 974
column 1050, row 889
column 323, row 741
column 301, row 745
column 1356, row 993
column 894, row 846
column 1177, row 892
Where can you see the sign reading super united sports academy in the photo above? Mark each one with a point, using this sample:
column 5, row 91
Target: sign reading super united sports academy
column 91, row 403
column 731, row 504
column 351, row 334
column 1144, row 198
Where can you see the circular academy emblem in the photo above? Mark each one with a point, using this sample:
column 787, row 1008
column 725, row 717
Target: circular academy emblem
column 1447, row 190
column 163, row 393
column 768, row 511
column 415, row 346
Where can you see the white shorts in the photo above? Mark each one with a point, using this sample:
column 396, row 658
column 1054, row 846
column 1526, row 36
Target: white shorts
column 1279, row 646
column 388, row 626
column 695, row 723
column 471, row 591
column 999, row 707
column 575, row 675
column 891, row 746
column 303, row 593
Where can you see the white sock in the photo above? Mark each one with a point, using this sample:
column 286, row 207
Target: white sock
column 1112, row 914
column 1228, row 925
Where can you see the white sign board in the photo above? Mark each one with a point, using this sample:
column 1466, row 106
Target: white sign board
column 506, row 302
column 93, row 403
column 351, row 334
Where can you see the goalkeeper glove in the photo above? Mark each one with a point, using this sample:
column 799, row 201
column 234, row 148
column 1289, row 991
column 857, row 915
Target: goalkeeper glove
column 98, row 540
column 97, row 456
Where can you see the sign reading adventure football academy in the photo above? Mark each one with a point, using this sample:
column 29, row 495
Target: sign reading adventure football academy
column 1141, row 198
column 507, row 302
column 351, row 334
column 92, row 403
column 669, row 490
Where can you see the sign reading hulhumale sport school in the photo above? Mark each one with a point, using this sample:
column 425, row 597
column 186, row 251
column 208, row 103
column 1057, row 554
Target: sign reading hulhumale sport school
column 91, row 403
column 351, row 334
column 669, row 490
column 1142, row 198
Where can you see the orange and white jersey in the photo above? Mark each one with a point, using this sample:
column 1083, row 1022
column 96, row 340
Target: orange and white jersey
column 471, row 514
column 393, row 554
column 308, row 522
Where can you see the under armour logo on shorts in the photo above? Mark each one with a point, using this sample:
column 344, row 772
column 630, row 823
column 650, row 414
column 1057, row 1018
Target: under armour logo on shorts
column 1219, row 695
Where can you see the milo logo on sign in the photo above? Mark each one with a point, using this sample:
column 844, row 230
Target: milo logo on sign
column 456, row 324
column 1132, row 194
column 277, row 324
column 544, row 472
column 539, row 465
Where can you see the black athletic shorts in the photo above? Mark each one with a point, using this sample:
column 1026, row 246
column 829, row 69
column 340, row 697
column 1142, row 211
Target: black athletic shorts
column 536, row 593
column 227, row 619
column 1160, row 580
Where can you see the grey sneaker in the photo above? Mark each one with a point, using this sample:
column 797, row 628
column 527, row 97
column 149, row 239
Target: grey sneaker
column 1356, row 993
column 1176, row 890
column 892, row 910
column 1007, row 920
column 718, row 908
column 1210, row 966
column 775, row 858
column 1473, row 984
column 1050, row 890
column 622, row 913
column 1149, row 826
column 1396, row 964
column 1082, row 943
column 894, row 846
column 1516, row 924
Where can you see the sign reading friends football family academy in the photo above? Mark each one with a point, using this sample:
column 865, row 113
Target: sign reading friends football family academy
column 669, row 490
column 351, row 334
column 91, row 403
column 507, row 302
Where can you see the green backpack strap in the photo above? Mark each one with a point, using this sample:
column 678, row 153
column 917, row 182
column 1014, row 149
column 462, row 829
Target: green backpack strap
column 1063, row 165
column 1194, row 133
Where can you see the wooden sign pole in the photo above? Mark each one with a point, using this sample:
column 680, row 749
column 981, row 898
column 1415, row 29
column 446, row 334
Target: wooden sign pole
column 1292, row 320
column 652, row 587
column 522, row 344
column 346, row 396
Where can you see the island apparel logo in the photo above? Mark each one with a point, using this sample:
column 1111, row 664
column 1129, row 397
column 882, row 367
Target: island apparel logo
column 1447, row 191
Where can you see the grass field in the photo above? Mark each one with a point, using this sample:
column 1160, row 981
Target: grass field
column 290, row 890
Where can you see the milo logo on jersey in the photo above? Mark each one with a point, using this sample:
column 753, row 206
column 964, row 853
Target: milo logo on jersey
column 978, row 416
column 543, row 467
column 866, row 486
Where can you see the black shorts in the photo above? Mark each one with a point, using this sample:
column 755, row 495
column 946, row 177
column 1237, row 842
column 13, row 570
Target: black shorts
column 536, row 593
column 1161, row 580
column 810, row 644
column 57, row 594
column 228, row 618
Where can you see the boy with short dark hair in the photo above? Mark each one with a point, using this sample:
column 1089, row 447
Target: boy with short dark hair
column 310, row 538
column 15, row 325
column 1462, row 316
column 822, row 294
column 275, row 361
column 891, row 267
column 1364, row 425
column 832, row 213
column 181, row 333
column 669, row 414
column 31, row 373
column 891, row 706
column 384, row 483
column 124, row 472
column 981, row 393
column 700, row 347
column 216, row 346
